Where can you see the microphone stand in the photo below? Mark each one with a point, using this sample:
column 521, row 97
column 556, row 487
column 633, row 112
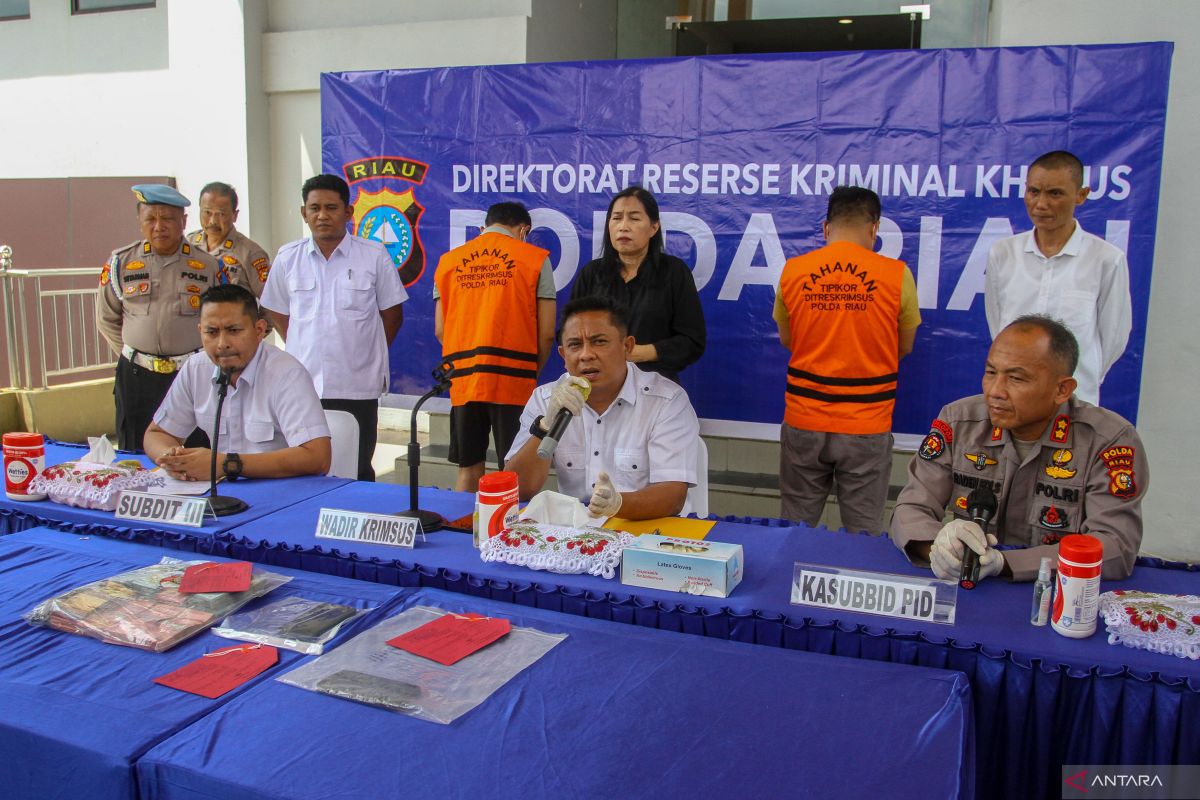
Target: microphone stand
column 221, row 506
column 430, row 520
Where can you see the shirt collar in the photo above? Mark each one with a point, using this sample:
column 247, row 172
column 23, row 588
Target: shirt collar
column 343, row 247
column 633, row 384
column 1071, row 248
column 248, row 374
column 500, row 229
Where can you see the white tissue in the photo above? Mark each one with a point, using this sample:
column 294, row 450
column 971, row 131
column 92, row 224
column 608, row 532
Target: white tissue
column 554, row 508
column 100, row 451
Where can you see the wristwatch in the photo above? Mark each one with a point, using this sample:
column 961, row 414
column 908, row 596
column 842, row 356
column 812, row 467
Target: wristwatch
column 536, row 429
column 232, row 466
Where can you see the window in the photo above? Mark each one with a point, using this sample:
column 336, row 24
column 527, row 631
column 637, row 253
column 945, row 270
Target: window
column 14, row 9
column 97, row 6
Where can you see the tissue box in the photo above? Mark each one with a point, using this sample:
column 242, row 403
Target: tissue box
column 690, row 566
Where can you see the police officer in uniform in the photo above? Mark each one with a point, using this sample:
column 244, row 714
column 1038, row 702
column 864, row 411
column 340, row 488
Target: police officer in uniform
column 239, row 259
column 1057, row 465
column 148, row 306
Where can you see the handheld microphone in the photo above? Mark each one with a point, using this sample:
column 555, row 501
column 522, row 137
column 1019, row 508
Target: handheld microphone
column 981, row 505
column 559, row 427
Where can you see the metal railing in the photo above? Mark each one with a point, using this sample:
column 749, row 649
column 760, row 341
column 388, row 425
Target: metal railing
column 50, row 325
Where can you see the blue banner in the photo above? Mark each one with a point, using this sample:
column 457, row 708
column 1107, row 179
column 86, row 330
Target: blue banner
column 742, row 153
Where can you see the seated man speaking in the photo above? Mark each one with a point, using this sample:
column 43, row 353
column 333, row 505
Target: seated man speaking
column 272, row 423
column 630, row 450
column 1056, row 464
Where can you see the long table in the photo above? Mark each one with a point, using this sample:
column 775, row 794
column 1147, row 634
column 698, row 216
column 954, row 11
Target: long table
column 1041, row 700
column 612, row 711
column 264, row 497
column 76, row 713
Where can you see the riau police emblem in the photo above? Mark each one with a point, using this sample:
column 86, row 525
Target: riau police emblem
column 388, row 216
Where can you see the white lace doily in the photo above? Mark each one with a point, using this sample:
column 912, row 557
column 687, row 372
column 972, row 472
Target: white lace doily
column 1159, row 623
column 558, row 548
column 97, row 486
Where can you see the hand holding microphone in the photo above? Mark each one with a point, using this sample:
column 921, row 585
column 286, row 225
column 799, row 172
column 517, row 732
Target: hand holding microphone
column 954, row 541
column 566, row 401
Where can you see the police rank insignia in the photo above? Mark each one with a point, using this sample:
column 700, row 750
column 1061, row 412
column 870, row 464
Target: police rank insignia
column 980, row 460
column 1057, row 468
column 1119, row 461
column 997, row 433
column 1060, row 428
column 940, row 434
column 1051, row 517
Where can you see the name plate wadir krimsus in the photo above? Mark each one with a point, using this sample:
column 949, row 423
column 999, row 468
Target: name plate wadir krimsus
column 359, row 526
column 150, row 507
column 882, row 593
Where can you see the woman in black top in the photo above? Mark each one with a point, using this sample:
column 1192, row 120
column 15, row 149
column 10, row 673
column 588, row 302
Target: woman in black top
column 665, row 316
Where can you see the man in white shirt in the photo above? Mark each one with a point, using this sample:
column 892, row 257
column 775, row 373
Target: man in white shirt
column 631, row 449
column 272, row 423
column 1059, row 270
column 335, row 299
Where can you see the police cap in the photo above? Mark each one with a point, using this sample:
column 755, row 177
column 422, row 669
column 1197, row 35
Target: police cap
column 159, row 194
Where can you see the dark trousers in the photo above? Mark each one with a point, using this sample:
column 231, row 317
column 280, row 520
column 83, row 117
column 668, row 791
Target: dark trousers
column 366, row 414
column 137, row 394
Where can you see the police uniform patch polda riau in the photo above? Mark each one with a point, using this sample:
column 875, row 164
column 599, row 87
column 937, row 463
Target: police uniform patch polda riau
column 104, row 274
column 1119, row 461
column 940, row 434
column 263, row 267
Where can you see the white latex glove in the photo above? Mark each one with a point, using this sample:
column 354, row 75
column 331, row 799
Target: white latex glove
column 946, row 553
column 606, row 500
column 570, row 393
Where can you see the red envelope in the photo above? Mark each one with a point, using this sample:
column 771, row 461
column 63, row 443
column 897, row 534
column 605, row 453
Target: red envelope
column 215, row 673
column 232, row 576
column 453, row 637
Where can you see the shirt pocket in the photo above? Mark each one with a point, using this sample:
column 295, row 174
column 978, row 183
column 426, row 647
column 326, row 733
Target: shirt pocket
column 302, row 288
column 1055, row 511
column 189, row 304
column 632, row 468
column 1077, row 310
column 571, row 467
column 356, row 295
column 260, row 431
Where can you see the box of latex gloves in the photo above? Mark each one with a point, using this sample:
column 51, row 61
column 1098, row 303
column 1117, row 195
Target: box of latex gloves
column 690, row 566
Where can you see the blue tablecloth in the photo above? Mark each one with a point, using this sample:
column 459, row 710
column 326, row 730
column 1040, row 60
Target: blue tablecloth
column 75, row 713
column 1041, row 699
column 611, row 711
column 264, row 497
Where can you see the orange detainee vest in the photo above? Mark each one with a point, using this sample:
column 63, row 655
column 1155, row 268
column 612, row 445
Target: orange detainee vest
column 843, row 305
column 488, row 288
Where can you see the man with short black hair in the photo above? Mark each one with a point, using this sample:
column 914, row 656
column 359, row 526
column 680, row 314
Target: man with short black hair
column 240, row 260
column 1057, row 465
column 848, row 315
column 494, row 315
column 273, row 425
column 1061, row 270
column 631, row 449
column 147, row 306
column 335, row 299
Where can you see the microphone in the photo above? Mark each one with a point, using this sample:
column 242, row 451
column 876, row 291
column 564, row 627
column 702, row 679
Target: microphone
column 218, row 504
column 559, row 427
column 981, row 505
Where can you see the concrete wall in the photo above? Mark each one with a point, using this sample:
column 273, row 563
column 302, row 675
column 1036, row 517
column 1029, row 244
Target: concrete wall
column 1168, row 425
column 139, row 92
column 306, row 38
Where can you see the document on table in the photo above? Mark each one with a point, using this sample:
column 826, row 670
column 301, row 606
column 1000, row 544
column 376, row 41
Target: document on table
column 174, row 486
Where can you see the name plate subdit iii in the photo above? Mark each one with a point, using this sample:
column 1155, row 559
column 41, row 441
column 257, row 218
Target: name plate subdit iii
column 359, row 526
column 150, row 507
column 882, row 593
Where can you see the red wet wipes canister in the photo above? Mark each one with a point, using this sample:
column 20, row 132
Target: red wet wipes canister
column 1077, row 595
column 495, row 505
column 24, row 458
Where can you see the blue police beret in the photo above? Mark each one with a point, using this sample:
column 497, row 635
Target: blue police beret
column 159, row 194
